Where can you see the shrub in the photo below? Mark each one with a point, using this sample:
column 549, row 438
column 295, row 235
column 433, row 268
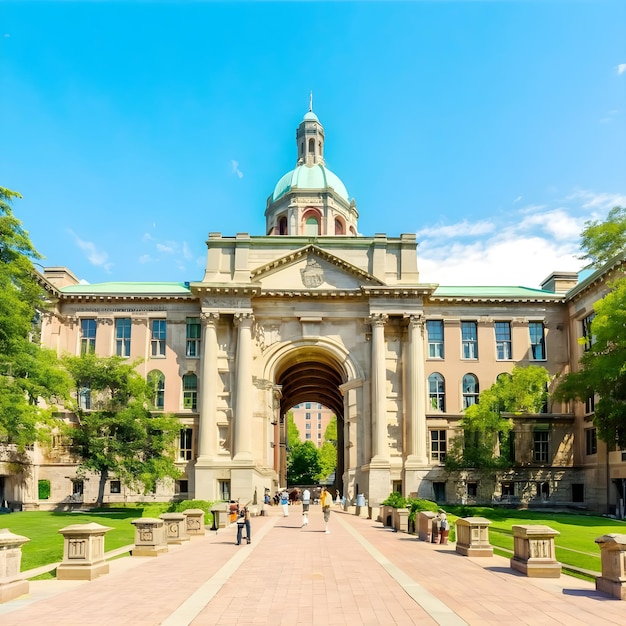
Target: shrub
column 395, row 500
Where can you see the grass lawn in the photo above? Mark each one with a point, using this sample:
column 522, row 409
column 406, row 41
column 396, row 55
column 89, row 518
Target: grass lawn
column 46, row 543
column 575, row 545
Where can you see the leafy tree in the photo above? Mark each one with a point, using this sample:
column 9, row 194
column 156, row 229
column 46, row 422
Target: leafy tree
column 487, row 425
column 31, row 380
column 328, row 451
column 119, row 436
column 303, row 467
column 293, row 434
column 601, row 241
column 603, row 368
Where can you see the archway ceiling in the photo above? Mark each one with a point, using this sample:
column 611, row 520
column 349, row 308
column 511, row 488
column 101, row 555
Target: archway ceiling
column 311, row 381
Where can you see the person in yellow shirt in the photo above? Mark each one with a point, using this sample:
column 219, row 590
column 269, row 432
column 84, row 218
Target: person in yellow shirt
column 326, row 500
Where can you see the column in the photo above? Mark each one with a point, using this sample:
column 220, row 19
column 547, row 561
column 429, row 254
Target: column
column 417, row 435
column 208, row 387
column 379, row 389
column 242, row 422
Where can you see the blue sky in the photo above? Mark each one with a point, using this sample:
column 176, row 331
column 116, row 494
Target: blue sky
column 492, row 130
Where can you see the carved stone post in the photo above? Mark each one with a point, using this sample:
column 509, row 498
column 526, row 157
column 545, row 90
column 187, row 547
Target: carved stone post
column 472, row 537
column 194, row 521
column 613, row 559
column 83, row 552
column 11, row 586
column 425, row 525
column 149, row 537
column 533, row 551
column 175, row 531
column 208, row 389
column 243, row 401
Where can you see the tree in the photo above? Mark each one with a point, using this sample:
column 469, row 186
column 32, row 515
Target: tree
column 293, row 434
column 31, row 380
column 116, row 434
column 328, row 451
column 303, row 466
column 487, row 425
column 602, row 241
column 603, row 368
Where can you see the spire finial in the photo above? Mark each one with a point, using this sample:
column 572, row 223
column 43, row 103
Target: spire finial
column 311, row 101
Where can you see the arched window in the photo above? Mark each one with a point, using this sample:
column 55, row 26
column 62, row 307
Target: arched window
column 156, row 380
column 437, row 392
column 311, row 146
column 339, row 230
column 470, row 390
column 190, row 391
column 311, row 226
column 282, row 225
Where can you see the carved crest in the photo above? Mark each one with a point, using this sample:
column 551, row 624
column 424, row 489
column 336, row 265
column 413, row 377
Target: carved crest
column 312, row 274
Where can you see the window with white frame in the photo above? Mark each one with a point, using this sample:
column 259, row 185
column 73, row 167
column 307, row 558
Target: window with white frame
column 157, row 341
column 190, row 391
column 469, row 338
column 434, row 329
column 537, row 341
column 503, row 341
column 194, row 334
column 438, row 445
column 185, row 445
column 122, row 336
column 437, row 392
column 87, row 336
column 470, row 390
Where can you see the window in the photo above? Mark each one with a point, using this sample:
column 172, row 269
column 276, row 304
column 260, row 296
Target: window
column 156, row 380
column 586, row 331
column 472, row 489
column 78, row 488
column 308, row 435
column 311, row 227
column 319, row 417
column 469, row 337
column 541, row 441
column 578, row 492
column 307, row 405
column 158, row 338
column 282, row 225
column 543, row 490
column 319, row 405
column 194, row 333
column 307, row 416
column 115, row 486
column 43, row 489
column 190, row 391
column 438, row 445
column 87, row 336
column 590, row 404
column 223, row 487
column 537, row 341
column 181, row 486
column 185, row 449
column 470, row 390
column 591, row 441
column 434, row 328
column 319, row 436
column 339, row 227
column 84, row 398
column 437, row 392
column 308, row 426
column 122, row 336
column 503, row 341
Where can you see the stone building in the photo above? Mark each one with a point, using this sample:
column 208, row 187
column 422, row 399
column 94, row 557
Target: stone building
column 315, row 312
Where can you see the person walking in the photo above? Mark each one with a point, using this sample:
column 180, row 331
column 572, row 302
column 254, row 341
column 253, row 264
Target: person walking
column 306, row 501
column 284, row 502
column 326, row 501
column 243, row 521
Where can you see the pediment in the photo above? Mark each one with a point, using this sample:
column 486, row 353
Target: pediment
column 312, row 268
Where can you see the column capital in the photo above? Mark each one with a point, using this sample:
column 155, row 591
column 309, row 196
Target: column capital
column 209, row 318
column 244, row 319
column 378, row 319
column 416, row 320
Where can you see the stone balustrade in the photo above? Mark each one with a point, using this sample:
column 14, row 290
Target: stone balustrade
column 533, row 551
column 11, row 585
column 613, row 560
column 472, row 536
column 150, row 539
column 83, row 552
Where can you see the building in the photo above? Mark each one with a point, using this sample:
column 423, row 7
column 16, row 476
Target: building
column 312, row 419
column 313, row 312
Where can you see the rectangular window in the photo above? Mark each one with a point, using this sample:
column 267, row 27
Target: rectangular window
column 87, row 336
column 319, row 406
column 591, row 441
column 469, row 337
column 438, row 445
column 308, row 435
column 308, row 426
column 434, row 328
column 77, row 489
column 319, row 416
column 590, row 404
column 578, row 492
column 541, row 441
column 190, row 391
column 194, row 333
column 122, row 336
column 319, row 436
column 307, row 405
column 307, row 416
column 224, row 489
column 84, row 398
column 157, row 341
column 181, row 486
column 115, row 486
column 537, row 341
column 586, row 331
column 503, row 341
column 185, row 449
column 472, row 489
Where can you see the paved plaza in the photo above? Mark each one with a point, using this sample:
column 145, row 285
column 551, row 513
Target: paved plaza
column 359, row 573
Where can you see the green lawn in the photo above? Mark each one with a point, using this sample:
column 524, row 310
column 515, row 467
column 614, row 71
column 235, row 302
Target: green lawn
column 46, row 543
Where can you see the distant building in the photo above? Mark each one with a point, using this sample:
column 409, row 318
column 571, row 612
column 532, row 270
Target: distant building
column 314, row 312
column 312, row 418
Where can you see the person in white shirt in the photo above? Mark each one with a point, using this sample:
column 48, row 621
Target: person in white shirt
column 306, row 501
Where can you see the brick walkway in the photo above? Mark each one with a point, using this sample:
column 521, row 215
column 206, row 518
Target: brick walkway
column 360, row 573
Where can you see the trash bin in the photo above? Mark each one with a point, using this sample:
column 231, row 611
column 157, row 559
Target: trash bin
column 360, row 500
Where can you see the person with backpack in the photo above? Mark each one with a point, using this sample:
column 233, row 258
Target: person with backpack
column 243, row 521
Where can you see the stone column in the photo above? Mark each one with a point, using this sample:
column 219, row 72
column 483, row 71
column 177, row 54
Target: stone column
column 379, row 391
column 208, row 388
column 242, row 448
column 416, row 432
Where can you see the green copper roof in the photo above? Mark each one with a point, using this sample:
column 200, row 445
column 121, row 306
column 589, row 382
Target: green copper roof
column 309, row 177
column 128, row 288
column 492, row 292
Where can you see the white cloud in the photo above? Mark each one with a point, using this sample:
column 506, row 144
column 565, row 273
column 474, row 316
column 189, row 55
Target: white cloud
column 235, row 168
column 145, row 258
column 461, row 229
column 96, row 257
column 593, row 200
column 167, row 248
column 621, row 68
column 558, row 223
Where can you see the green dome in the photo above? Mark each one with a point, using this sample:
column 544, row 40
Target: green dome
column 310, row 177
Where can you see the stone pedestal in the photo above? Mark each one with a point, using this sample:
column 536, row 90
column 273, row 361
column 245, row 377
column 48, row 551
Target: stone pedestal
column 472, row 536
column 83, row 552
column 175, row 531
column 533, row 551
column 150, row 537
column 613, row 559
column 11, row 586
column 194, row 522
column 401, row 520
column 425, row 525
